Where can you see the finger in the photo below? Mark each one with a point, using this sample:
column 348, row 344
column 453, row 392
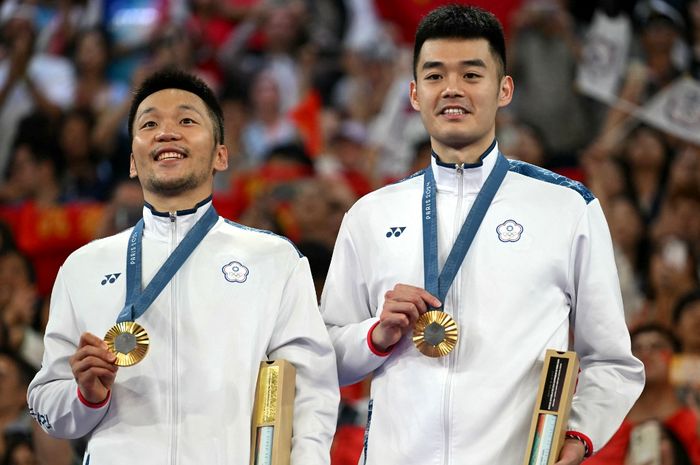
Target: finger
column 92, row 362
column 405, row 308
column 396, row 320
column 92, row 351
column 88, row 339
column 419, row 296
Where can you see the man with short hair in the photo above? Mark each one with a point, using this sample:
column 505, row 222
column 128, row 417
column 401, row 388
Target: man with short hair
column 199, row 301
column 485, row 263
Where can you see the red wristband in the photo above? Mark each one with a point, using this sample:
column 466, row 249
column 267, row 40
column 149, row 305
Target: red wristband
column 587, row 443
column 87, row 403
column 372, row 347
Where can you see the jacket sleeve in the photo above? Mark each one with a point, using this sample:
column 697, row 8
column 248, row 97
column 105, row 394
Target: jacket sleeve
column 611, row 378
column 347, row 310
column 53, row 393
column 300, row 337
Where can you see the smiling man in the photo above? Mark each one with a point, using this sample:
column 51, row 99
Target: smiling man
column 188, row 304
column 496, row 261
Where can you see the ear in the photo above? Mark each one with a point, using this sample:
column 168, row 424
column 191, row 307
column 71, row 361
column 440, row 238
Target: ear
column 505, row 93
column 220, row 158
column 413, row 95
column 132, row 167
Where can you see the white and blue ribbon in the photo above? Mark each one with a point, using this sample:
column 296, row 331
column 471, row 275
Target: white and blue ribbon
column 137, row 302
column 438, row 284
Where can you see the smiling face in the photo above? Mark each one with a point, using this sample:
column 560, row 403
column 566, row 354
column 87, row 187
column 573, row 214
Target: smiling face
column 174, row 153
column 458, row 89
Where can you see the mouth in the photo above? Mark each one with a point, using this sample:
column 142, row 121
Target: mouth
column 453, row 111
column 169, row 153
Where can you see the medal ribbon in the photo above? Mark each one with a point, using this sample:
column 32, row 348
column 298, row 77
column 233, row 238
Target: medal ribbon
column 137, row 302
column 438, row 285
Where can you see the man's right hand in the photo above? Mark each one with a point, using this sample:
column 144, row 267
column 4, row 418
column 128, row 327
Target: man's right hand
column 403, row 305
column 93, row 368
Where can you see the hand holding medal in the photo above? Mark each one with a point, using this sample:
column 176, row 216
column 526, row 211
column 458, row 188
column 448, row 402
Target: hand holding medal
column 403, row 307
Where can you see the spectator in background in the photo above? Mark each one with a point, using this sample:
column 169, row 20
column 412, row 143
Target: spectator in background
column 543, row 56
column 269, row 124
column 672, row 273
column 15, row 376
column 123, row 209
column 646, row 159
column 629, row 243
column 654, row 345
column 349, row 159
column 94, row 90
column 655, row 67
column 19, row 450
column 20, row 305
column 283, row 34
column 686, row 321
column 83, row 177
column 29, row 81
column 33, row 176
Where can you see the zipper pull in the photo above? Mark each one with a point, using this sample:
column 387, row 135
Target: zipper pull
column 172, row 216
column 460, row 168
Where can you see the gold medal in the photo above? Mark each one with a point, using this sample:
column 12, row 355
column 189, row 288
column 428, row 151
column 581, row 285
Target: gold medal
column 435, row 333
column 128, row 341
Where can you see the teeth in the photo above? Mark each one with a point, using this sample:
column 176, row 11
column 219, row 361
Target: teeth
column 169, row 156
column 453, row 111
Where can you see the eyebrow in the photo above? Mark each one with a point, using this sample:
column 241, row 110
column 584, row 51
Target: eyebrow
column 180, row 107
column 439, row 64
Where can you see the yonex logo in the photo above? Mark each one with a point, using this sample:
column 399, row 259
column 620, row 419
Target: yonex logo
column 395, row 232
column 110, row 278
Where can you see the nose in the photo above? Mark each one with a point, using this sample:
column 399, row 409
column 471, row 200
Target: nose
column 168, row 133
column 453, row 87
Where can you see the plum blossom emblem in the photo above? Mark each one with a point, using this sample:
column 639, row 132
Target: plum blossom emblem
column 509, row 231
column 235, row 272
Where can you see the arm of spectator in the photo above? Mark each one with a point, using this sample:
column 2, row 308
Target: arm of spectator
column 630, row 98
column 300, row 337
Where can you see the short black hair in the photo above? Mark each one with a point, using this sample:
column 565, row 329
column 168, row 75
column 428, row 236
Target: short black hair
column 461, row 22
column 683, row 303
column 172, row 78
column 658, row 329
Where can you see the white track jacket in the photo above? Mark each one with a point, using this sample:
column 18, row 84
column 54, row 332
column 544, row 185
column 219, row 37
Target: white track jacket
column 190, row 400
column 539, row 275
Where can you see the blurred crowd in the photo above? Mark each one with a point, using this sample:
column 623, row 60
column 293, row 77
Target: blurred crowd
column 315, row 97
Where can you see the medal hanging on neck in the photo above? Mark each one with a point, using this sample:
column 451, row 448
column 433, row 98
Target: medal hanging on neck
column 127, row 339
column 435, row 333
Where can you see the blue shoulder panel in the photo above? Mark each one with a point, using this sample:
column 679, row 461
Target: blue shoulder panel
column 532, row 171
column 262, row 231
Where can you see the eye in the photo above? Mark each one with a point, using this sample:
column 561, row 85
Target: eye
column 471, row 75
column 433, row 77
column 148, row 124
column 187, row 121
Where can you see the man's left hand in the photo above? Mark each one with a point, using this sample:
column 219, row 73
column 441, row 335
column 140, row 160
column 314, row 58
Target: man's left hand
column 571, row 453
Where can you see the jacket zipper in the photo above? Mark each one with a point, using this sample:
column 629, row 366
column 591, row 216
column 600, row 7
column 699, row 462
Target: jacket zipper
column 174, row 377
column 451, row 358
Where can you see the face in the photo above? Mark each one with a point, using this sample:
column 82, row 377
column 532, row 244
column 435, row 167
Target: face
column 655, row 352
column 11, row 390
column 458, row 91
column 688, row 327
column 174, row 152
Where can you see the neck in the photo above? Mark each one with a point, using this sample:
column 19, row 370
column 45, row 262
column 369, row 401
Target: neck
column 468, row 154
column 174, row 204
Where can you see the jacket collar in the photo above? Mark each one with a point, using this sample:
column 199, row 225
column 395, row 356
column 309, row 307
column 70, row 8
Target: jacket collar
column 159, row 225
column 447, row 176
